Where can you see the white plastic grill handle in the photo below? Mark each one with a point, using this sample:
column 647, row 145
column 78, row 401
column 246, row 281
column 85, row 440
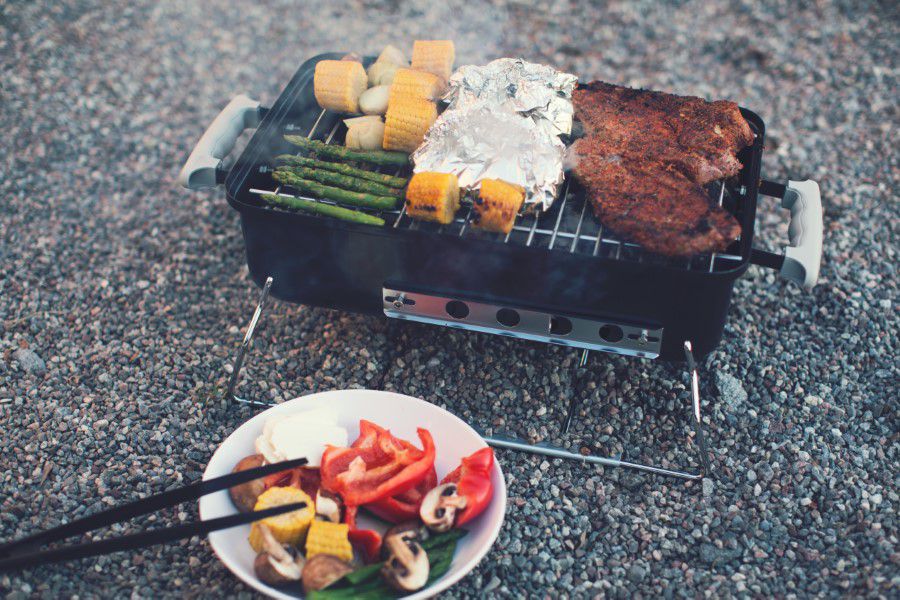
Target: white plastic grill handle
column 804, row 255
column 218, row 140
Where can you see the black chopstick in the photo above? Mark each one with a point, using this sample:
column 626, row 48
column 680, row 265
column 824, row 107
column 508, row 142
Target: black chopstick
column 139, row 540
column 144, row 506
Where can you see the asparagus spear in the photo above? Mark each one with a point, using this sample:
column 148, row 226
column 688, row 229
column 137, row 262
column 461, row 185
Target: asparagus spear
column 303, row 161
column 328, row 210
column 342, row 181
column 336, row 194
column 376, row 157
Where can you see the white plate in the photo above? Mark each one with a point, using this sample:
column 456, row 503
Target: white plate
column 453, row 438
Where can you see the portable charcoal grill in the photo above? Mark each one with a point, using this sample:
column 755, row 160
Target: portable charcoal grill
column 559, row 277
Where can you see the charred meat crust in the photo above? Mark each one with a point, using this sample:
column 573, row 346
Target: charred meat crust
column 645, row 158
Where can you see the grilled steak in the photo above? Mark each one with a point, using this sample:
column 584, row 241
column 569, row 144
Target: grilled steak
column 645, row 158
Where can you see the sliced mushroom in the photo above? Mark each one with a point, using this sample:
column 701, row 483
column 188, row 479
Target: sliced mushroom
column 408, row 530
column 277, row 564
column 322, row 570
column 439, row 507
column 244, row 495
column 406, row 567
column 328, row 506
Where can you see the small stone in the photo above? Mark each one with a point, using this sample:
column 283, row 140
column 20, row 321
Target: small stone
column 708, row 487
column 636, row 573
column 731, row 389
column 813, row 400
column 30, row 361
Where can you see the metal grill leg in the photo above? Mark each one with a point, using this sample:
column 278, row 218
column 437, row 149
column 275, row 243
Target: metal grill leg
column 242, row 350
column 576, row 399
column 521, row 446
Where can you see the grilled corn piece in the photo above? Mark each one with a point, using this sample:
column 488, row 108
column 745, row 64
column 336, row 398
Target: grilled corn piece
column 434, row 56
column 337, row 84
column 326, row 537
column 406, row 123
column 409, row 84
column 497, row 205
column 433, row 197
column 288, row 528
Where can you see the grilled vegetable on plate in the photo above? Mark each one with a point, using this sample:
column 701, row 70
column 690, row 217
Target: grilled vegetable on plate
column 391, row 458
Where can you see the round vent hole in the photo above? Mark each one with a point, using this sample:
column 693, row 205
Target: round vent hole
column 560, row 326
column 508, row 317
column 457, row 309
column 611, row 333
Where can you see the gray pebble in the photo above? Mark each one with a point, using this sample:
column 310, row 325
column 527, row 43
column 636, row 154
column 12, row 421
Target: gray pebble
column 30, row 361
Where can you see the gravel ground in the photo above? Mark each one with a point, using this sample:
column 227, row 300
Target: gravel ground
column 122, row 296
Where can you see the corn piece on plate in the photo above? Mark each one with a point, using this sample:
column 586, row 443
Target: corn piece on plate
column 453, row 438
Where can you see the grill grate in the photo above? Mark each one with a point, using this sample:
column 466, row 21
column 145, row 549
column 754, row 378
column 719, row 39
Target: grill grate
column 564, row 228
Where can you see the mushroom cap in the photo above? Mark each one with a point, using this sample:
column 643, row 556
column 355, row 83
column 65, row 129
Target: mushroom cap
column 277, row 564
column 322, row 570
column 406, row 568
column 439, row 507
column 328, row 506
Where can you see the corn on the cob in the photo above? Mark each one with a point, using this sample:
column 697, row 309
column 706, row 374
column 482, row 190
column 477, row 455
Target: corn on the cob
column 337, row 84
column 417, row 85
column 497, row 205
column 434, row 56
column 406, row 124
column 326, row 537
column 433, row 197
column 288, row 528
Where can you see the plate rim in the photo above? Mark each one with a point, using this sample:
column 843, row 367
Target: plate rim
column 445, row 583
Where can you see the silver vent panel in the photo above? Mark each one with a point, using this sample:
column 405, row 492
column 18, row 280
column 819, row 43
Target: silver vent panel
column 564, row 330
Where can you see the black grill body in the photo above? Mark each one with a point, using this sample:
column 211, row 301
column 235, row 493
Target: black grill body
column 326, row 262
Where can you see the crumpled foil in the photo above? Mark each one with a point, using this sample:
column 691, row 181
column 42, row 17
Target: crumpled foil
column 484, row 141
column 503, row 122
column 539, row 91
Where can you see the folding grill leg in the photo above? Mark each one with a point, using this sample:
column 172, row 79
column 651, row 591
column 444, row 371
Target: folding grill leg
column 521, row 446
column 576, row 399
column 239, row 357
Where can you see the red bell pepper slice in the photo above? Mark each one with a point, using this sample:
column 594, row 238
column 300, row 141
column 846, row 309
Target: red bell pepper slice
column 377, row 467
column 405, row 506
column 473, row 482
column 366, row 541
column 307, row 479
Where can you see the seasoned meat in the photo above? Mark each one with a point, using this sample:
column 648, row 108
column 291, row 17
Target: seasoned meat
column 645, row 158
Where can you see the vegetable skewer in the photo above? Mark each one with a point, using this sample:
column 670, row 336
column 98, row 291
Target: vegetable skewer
column 376, row 157
column 341, row 181
column 343, row 169
column 329, row 210
column 336, row 194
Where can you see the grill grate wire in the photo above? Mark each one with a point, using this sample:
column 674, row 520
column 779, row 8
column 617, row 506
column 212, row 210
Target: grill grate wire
column 566, row 220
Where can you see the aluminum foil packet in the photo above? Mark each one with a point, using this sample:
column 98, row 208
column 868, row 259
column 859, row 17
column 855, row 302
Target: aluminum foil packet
column 503, row 122
column 539, row 91
column 484, row 141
